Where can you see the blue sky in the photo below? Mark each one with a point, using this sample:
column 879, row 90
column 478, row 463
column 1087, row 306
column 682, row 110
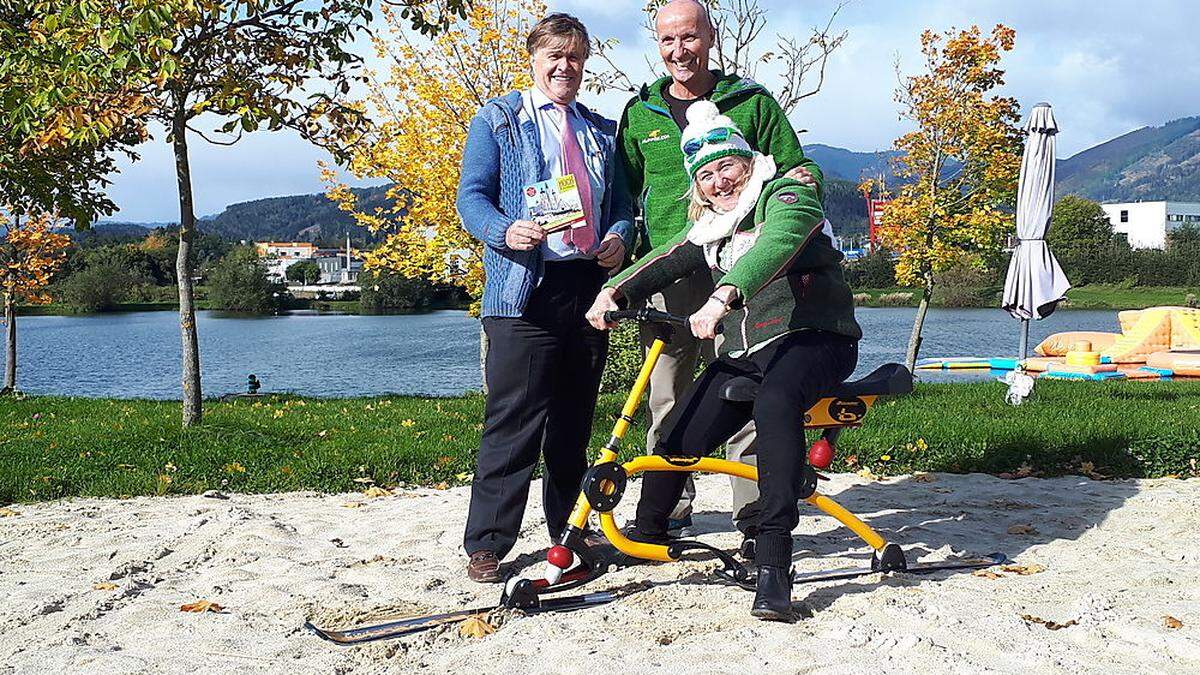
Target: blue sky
column 1107, row 67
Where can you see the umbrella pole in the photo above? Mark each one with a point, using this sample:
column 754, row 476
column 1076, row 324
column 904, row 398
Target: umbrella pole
column 1024, row 339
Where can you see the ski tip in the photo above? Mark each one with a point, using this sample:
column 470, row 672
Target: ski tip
column 319, row 632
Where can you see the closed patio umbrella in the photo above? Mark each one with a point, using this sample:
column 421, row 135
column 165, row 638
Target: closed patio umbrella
column 1035, row 283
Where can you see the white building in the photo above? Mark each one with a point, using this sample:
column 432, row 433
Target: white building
column 1147, row 224
column 280, row 255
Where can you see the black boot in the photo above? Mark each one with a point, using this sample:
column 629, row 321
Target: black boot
column 773, row 597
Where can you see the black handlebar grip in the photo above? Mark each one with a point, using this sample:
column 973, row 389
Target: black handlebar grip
column 647, row 315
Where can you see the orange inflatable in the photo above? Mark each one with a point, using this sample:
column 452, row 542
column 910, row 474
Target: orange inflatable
column 1061, row 343
column 1183, row 362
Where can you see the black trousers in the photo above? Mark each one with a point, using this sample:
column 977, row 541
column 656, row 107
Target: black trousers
column 543, row 375
column 794, row 373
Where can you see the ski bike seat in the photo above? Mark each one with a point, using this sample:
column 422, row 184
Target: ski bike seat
column 846, row 406
column 890, row 379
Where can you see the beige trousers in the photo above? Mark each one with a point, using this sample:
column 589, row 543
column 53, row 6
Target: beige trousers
column 674, row 373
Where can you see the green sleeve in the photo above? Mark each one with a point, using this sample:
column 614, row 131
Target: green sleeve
column 786, row 225
column 630, row 156
column 673, row 260
column 776, row 137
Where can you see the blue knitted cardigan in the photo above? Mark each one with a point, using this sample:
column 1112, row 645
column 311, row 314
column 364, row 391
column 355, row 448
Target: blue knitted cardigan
column 500, row 158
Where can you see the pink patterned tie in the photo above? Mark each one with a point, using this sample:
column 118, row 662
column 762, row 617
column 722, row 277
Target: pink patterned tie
column 582, row 237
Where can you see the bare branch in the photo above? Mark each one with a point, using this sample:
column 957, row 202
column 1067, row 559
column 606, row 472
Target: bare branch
column 214, row 141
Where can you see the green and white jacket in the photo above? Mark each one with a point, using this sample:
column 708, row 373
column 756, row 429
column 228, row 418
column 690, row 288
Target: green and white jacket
column 775, row 247
column 648, row 148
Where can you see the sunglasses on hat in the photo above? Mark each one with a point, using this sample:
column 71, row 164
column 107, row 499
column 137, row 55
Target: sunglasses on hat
column 718, row 135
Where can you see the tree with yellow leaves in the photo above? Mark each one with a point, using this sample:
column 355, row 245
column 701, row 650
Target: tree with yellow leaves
column 30, row 253
column 421, row 108
column 958, row 170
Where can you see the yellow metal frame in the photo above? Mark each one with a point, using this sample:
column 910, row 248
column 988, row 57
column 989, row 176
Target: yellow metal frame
column 829, row 412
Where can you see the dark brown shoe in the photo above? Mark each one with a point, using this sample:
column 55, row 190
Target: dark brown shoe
column 484, row 567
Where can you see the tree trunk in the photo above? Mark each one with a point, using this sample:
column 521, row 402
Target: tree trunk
column 483, row 350
column 10, row 330
column 190, row 348
column 914, row 341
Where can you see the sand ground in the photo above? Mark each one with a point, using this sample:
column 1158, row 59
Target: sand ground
column 95, row 586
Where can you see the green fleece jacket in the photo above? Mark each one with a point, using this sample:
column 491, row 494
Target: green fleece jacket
column 648, row 147
column 790, row 279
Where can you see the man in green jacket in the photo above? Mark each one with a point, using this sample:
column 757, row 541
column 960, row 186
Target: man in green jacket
column 648, row 146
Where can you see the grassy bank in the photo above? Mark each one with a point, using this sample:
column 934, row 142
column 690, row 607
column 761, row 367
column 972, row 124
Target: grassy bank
column 1094, row 296
column 58, row 447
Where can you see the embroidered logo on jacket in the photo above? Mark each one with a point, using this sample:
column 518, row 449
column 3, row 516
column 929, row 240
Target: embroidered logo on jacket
column 769, row 322
column 655, row 135
column 787, row 197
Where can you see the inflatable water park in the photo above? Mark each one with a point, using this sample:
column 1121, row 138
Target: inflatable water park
column 1154, row 344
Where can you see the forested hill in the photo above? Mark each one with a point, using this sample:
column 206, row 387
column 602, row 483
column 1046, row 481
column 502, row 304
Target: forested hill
column 1151, row 163
column 294, row 218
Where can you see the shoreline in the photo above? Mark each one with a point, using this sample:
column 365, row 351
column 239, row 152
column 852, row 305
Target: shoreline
column 1111, row 297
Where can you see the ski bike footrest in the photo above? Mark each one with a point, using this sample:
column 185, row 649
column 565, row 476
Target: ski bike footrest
column 890, row 379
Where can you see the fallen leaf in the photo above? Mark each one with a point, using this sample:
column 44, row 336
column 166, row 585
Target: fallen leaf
column 1021, row 529
column 442, row 486
column 867, row 473
column 987, row 574
column 924, row 478
column 364, row 481
column 1172, row 623
column 1023, row 570
column 1088, row 469
column 352, row 505
column 105, row 586
column 1050, row 625
column 8, row 513
column 464, row 476
column 852, row 460
column 475, row 626
column 407, row 423
column 376, row 491
column 201, row 606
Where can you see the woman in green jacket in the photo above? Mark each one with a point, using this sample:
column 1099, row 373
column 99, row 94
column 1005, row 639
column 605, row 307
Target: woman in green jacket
column 788, row 323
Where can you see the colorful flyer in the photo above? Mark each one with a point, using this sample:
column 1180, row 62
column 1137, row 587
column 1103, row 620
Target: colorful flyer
column 554, row 204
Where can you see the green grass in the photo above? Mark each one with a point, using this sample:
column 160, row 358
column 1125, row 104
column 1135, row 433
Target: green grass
column 876, row 292
column 58, row 447
column 1118, row 296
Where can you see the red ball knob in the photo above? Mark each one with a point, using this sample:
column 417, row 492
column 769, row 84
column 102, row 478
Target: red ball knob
column 820, row 455
column 560, row 556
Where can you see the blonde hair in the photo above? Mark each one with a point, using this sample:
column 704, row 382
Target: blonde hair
column 698, row 204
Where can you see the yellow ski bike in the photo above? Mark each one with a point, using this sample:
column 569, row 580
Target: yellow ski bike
column 571, row 563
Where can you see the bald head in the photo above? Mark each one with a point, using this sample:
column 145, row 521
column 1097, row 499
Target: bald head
column 690, row 10
column 685, row 36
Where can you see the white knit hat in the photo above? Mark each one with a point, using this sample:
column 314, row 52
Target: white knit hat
column 710, row 135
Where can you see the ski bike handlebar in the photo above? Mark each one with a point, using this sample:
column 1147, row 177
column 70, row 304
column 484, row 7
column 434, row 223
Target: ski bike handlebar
column 647, row 315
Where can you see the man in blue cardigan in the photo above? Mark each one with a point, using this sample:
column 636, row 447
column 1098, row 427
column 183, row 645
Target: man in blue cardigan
column 544, row 360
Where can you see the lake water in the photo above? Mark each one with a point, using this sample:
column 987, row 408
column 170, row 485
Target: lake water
column 136, row 355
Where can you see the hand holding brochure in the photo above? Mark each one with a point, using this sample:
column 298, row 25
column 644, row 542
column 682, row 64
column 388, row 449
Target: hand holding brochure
column 554, row 203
